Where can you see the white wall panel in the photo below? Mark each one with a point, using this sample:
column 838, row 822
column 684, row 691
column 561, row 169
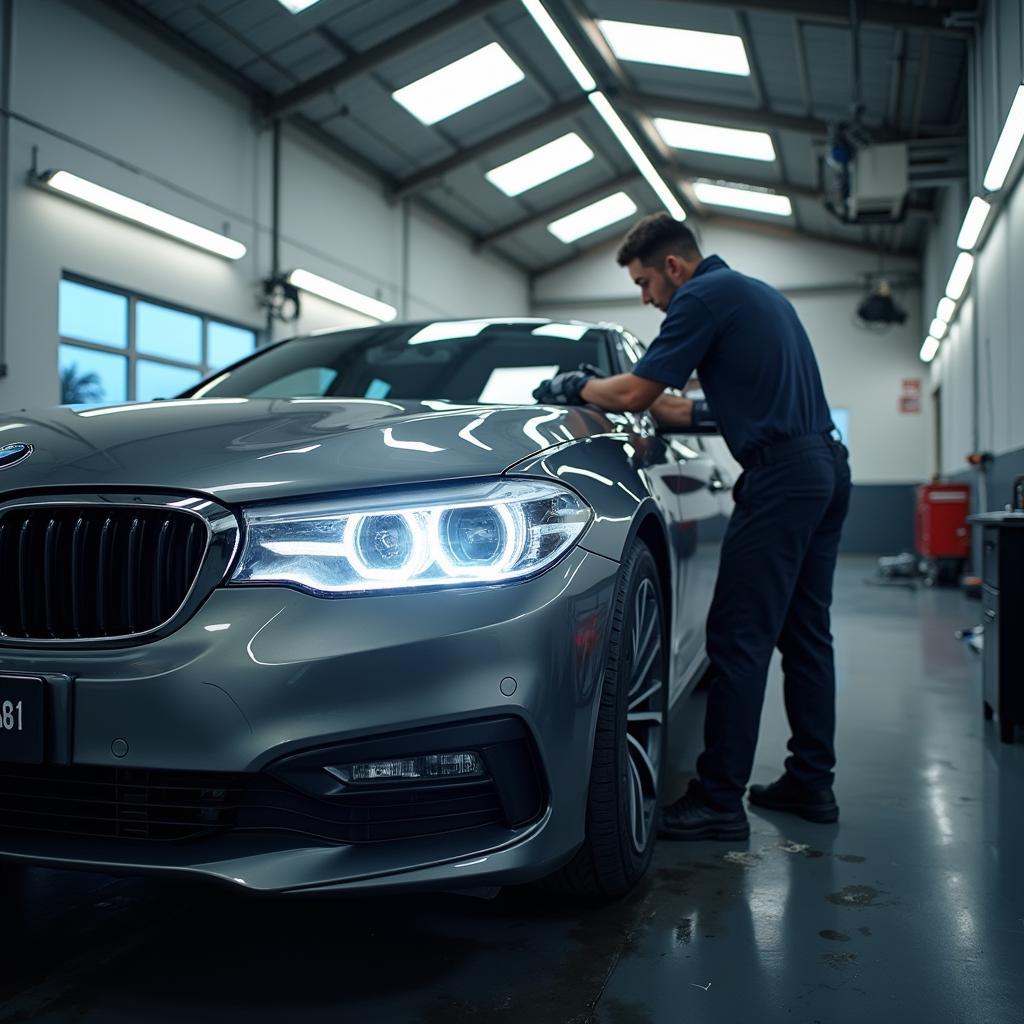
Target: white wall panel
column 447, row 278
column 96, row 95
column 989, row 415
column 82, row 71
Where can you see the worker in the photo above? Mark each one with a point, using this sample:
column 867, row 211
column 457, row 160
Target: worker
column 774, row 588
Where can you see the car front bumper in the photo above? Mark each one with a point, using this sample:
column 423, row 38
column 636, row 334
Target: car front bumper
column 264, row 677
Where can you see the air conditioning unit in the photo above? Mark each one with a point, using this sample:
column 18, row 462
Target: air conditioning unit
column 865, row 184
column 879, row 180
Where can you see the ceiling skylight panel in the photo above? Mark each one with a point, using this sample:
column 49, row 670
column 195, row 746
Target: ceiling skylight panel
column 469, row 80
column 741, row 197
column 711, row 138
column 540, row 165
column 676, row 47
column 592, row 218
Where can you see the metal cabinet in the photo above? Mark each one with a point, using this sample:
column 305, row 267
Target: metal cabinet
column 1002, row 598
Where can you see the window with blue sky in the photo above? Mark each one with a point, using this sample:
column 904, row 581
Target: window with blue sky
column 118, row 347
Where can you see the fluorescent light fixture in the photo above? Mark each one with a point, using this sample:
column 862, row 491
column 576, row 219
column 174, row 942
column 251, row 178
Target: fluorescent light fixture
column 676, row 47
column 959, row 276
column 1008, row 144
column 141, row 213
column 468, row 80
column 929, row 348
column 342, row 296
column 938, row 328
column 946, row 310
column 974, row 221
column 540, row 165
column 711, row 138
column 639, row 157
column 560, row 44
column 593, row 217
column 743, row 198
column 297, row 6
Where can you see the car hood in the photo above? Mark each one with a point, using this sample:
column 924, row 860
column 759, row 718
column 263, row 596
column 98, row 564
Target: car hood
column 242, row 450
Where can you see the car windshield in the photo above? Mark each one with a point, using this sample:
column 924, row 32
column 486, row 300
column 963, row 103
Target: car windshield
column 466, row 361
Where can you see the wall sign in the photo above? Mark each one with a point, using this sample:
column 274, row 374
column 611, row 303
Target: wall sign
column 910, row 397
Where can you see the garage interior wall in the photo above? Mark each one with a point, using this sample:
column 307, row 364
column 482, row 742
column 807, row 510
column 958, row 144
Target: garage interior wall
column 863, row 370
column 89, row 92
column 978, row 375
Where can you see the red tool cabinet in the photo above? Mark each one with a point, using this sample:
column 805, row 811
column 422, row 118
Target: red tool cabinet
column 941, row 529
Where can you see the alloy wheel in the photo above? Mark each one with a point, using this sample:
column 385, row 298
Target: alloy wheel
column 645, row 713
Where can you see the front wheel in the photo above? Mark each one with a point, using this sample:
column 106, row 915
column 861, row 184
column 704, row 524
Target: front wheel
column 629, row 744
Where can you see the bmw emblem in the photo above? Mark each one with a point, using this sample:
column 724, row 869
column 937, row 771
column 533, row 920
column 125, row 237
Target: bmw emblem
column 12, row 454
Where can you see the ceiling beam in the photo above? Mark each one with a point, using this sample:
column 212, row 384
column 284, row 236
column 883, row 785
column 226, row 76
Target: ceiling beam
column 715, row 220
column 433, row 172
column 550, row 213
column 679, row 171
column 723, row 113
column 755, row 118
column 364, row 62
column 873, row 12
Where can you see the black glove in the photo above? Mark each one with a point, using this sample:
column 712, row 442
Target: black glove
column 564, row 388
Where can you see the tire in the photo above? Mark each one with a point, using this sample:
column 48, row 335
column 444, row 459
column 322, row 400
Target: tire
column 629, row 744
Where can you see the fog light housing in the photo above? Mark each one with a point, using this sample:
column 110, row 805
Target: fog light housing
column 425, row 767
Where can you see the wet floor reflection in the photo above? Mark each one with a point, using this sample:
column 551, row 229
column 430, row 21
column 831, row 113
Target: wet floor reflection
column 910, row 909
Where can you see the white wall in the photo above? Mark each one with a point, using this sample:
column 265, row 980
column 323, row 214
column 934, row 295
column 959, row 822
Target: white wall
column 95, row 95
column 862, row 371
column 980, row 367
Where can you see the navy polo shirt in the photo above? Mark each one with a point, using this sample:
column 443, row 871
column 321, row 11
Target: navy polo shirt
column 752, row 354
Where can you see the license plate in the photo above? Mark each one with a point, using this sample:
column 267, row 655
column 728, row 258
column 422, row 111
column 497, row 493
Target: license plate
column 21, row 719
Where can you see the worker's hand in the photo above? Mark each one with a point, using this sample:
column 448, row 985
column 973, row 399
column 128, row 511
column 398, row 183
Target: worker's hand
column 565, row 388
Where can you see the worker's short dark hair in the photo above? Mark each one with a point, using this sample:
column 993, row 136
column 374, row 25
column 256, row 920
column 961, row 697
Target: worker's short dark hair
column 653, row 238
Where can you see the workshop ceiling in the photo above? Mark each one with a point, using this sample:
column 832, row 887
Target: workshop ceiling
column 333, row 69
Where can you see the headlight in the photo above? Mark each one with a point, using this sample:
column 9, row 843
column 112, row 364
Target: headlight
column 484, row 533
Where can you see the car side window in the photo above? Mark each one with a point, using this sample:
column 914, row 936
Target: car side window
column 630, row 349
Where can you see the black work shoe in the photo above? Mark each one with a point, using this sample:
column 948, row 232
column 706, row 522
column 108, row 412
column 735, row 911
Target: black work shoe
column 786, row 795
column 692, row 817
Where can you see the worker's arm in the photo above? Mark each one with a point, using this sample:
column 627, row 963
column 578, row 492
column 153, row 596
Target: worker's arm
column 625, row 392
column 673, row 411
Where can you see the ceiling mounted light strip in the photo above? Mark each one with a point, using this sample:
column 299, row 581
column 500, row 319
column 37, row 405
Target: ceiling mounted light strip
column 459, row 85
column 741, row 197
column 974, row 221
column 676, row 47
column 929, row 348
column 946, row 310
column 1009, row 142
column 592, row 218
column 959, row 276
column 141, row 213
column 712, row 138
column 588, row 84
column 639, row 157
column 540, row 165
column 342, row 296
column 561, row 45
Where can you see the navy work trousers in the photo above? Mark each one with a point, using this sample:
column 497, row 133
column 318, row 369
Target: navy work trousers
column 774, row 589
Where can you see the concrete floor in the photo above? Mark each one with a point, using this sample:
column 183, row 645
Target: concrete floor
column 910, row 909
